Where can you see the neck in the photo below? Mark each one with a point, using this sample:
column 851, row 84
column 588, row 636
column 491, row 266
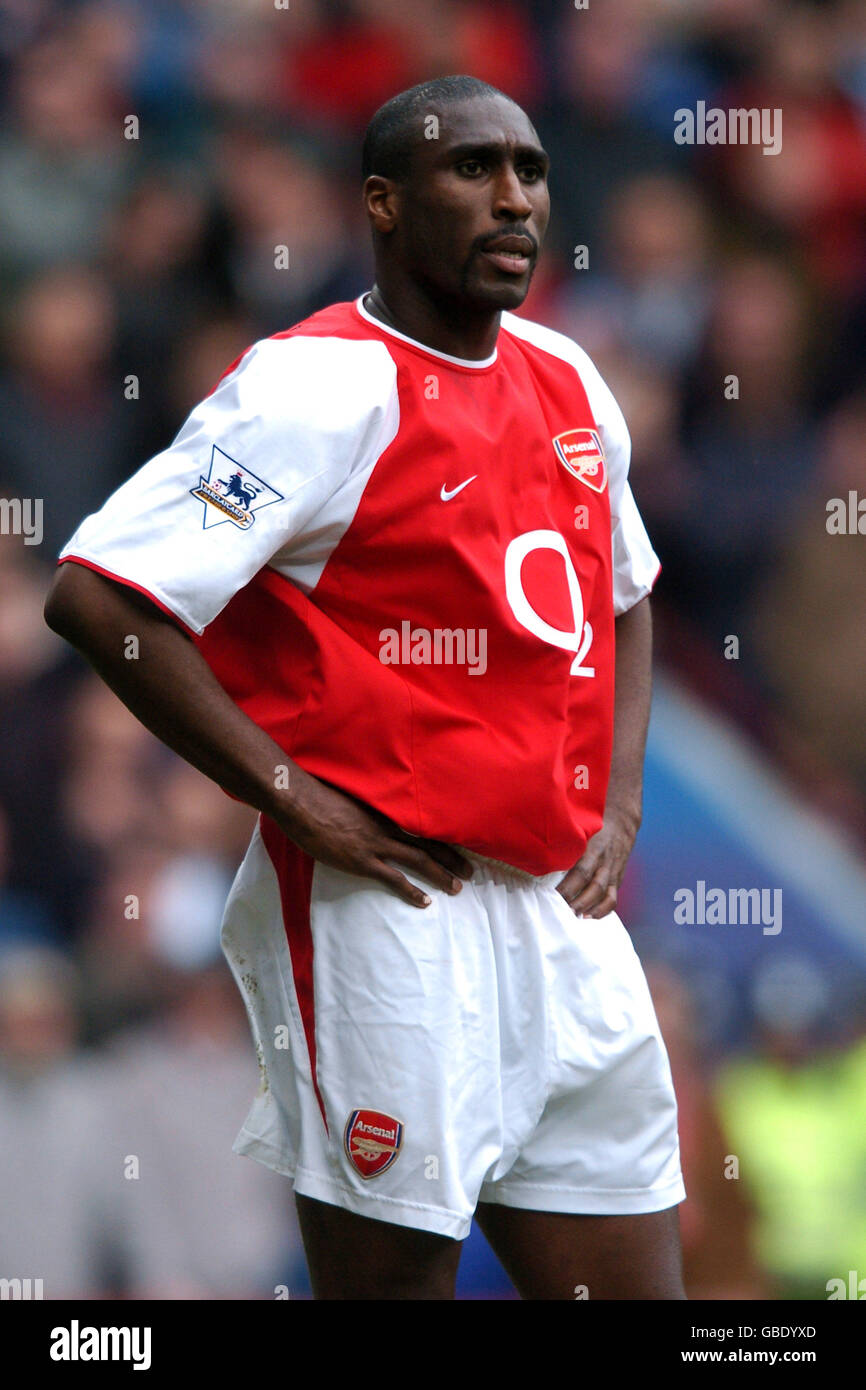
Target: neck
column 455, row 328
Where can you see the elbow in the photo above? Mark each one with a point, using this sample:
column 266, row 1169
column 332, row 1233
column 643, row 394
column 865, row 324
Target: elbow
column 52, row 611
column 60, row 608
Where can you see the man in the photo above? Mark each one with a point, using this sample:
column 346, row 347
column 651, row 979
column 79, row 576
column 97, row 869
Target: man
column 401, row 542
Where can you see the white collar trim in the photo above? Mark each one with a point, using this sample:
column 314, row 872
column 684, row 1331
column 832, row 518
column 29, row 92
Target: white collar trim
column 444, row 356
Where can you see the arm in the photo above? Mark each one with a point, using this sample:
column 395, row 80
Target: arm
column 590, row 888
column 173, row 692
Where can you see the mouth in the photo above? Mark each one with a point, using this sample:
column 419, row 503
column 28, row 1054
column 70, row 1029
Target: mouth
column 511, row 254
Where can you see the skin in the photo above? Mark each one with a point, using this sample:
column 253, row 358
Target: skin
column 484, row 179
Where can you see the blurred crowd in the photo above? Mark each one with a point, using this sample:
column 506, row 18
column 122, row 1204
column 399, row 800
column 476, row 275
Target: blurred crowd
column 152, row 156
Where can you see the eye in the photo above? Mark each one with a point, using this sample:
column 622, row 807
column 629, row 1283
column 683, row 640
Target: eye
column 531, row 172
column 470, row 167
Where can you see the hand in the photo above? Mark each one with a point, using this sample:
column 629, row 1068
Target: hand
column 590, row 888
column 338, row 830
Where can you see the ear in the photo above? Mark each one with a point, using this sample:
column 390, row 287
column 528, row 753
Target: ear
column 381, row 200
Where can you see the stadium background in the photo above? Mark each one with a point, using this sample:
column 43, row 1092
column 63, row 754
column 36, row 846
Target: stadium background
column 125, row 1061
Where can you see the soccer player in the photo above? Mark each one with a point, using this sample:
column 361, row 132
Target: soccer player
column 382, row 581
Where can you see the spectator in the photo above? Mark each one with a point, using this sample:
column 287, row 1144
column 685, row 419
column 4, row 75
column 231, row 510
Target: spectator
column 67, row 428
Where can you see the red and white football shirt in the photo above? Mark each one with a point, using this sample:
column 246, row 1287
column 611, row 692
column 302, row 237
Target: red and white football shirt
column 405, row 567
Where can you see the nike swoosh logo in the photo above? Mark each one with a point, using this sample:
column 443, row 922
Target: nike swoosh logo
column 446, row 495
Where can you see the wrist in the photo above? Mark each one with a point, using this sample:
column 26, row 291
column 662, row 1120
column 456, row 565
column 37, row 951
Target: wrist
column 626, row 814
column 279, row 790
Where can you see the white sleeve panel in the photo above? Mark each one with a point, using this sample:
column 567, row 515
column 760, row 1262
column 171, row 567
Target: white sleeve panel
column 635, row 563
column 249, row 470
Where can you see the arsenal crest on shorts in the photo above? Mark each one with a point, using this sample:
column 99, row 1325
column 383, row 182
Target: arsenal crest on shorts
column 581, row 453
column 372, row 1141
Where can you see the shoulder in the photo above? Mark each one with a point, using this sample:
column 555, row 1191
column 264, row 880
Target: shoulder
column 538, row 338
column 538, row 335
column 319, row 370
column 547, row 340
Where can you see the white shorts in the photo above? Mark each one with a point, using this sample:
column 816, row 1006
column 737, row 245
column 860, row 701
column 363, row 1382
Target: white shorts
column 491, row 1047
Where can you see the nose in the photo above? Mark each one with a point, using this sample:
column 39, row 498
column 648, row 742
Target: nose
column 509, row 199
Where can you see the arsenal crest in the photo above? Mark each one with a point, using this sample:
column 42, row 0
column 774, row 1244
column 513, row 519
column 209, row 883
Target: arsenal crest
column 372, row 1141
column 581, row 453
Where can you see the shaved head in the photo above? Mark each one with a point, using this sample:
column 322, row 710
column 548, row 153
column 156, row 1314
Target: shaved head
column 397, row 127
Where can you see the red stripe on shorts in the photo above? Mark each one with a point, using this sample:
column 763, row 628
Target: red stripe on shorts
column 294, row 870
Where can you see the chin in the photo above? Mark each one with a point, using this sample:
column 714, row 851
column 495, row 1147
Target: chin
column 503, row 296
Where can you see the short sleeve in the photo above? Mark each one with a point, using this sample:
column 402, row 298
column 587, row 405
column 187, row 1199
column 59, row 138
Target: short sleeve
column 635, row 564
column 292, row 422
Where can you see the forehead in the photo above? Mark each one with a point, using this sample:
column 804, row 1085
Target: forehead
column 483, row 120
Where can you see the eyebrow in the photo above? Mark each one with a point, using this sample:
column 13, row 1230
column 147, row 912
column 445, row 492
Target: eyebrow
column 526, row 154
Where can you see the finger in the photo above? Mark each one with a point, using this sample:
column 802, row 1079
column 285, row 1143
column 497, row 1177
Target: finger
column 385, row 873
column 593, row 890
column 571, row 885
column 444, row 854
column 607, row 904
column 448, row 856
column 593, row 895
column 424, row 865
column 577, row 879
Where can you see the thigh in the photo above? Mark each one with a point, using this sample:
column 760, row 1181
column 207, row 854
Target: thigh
column 357, row 1257
column 557, row 1255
